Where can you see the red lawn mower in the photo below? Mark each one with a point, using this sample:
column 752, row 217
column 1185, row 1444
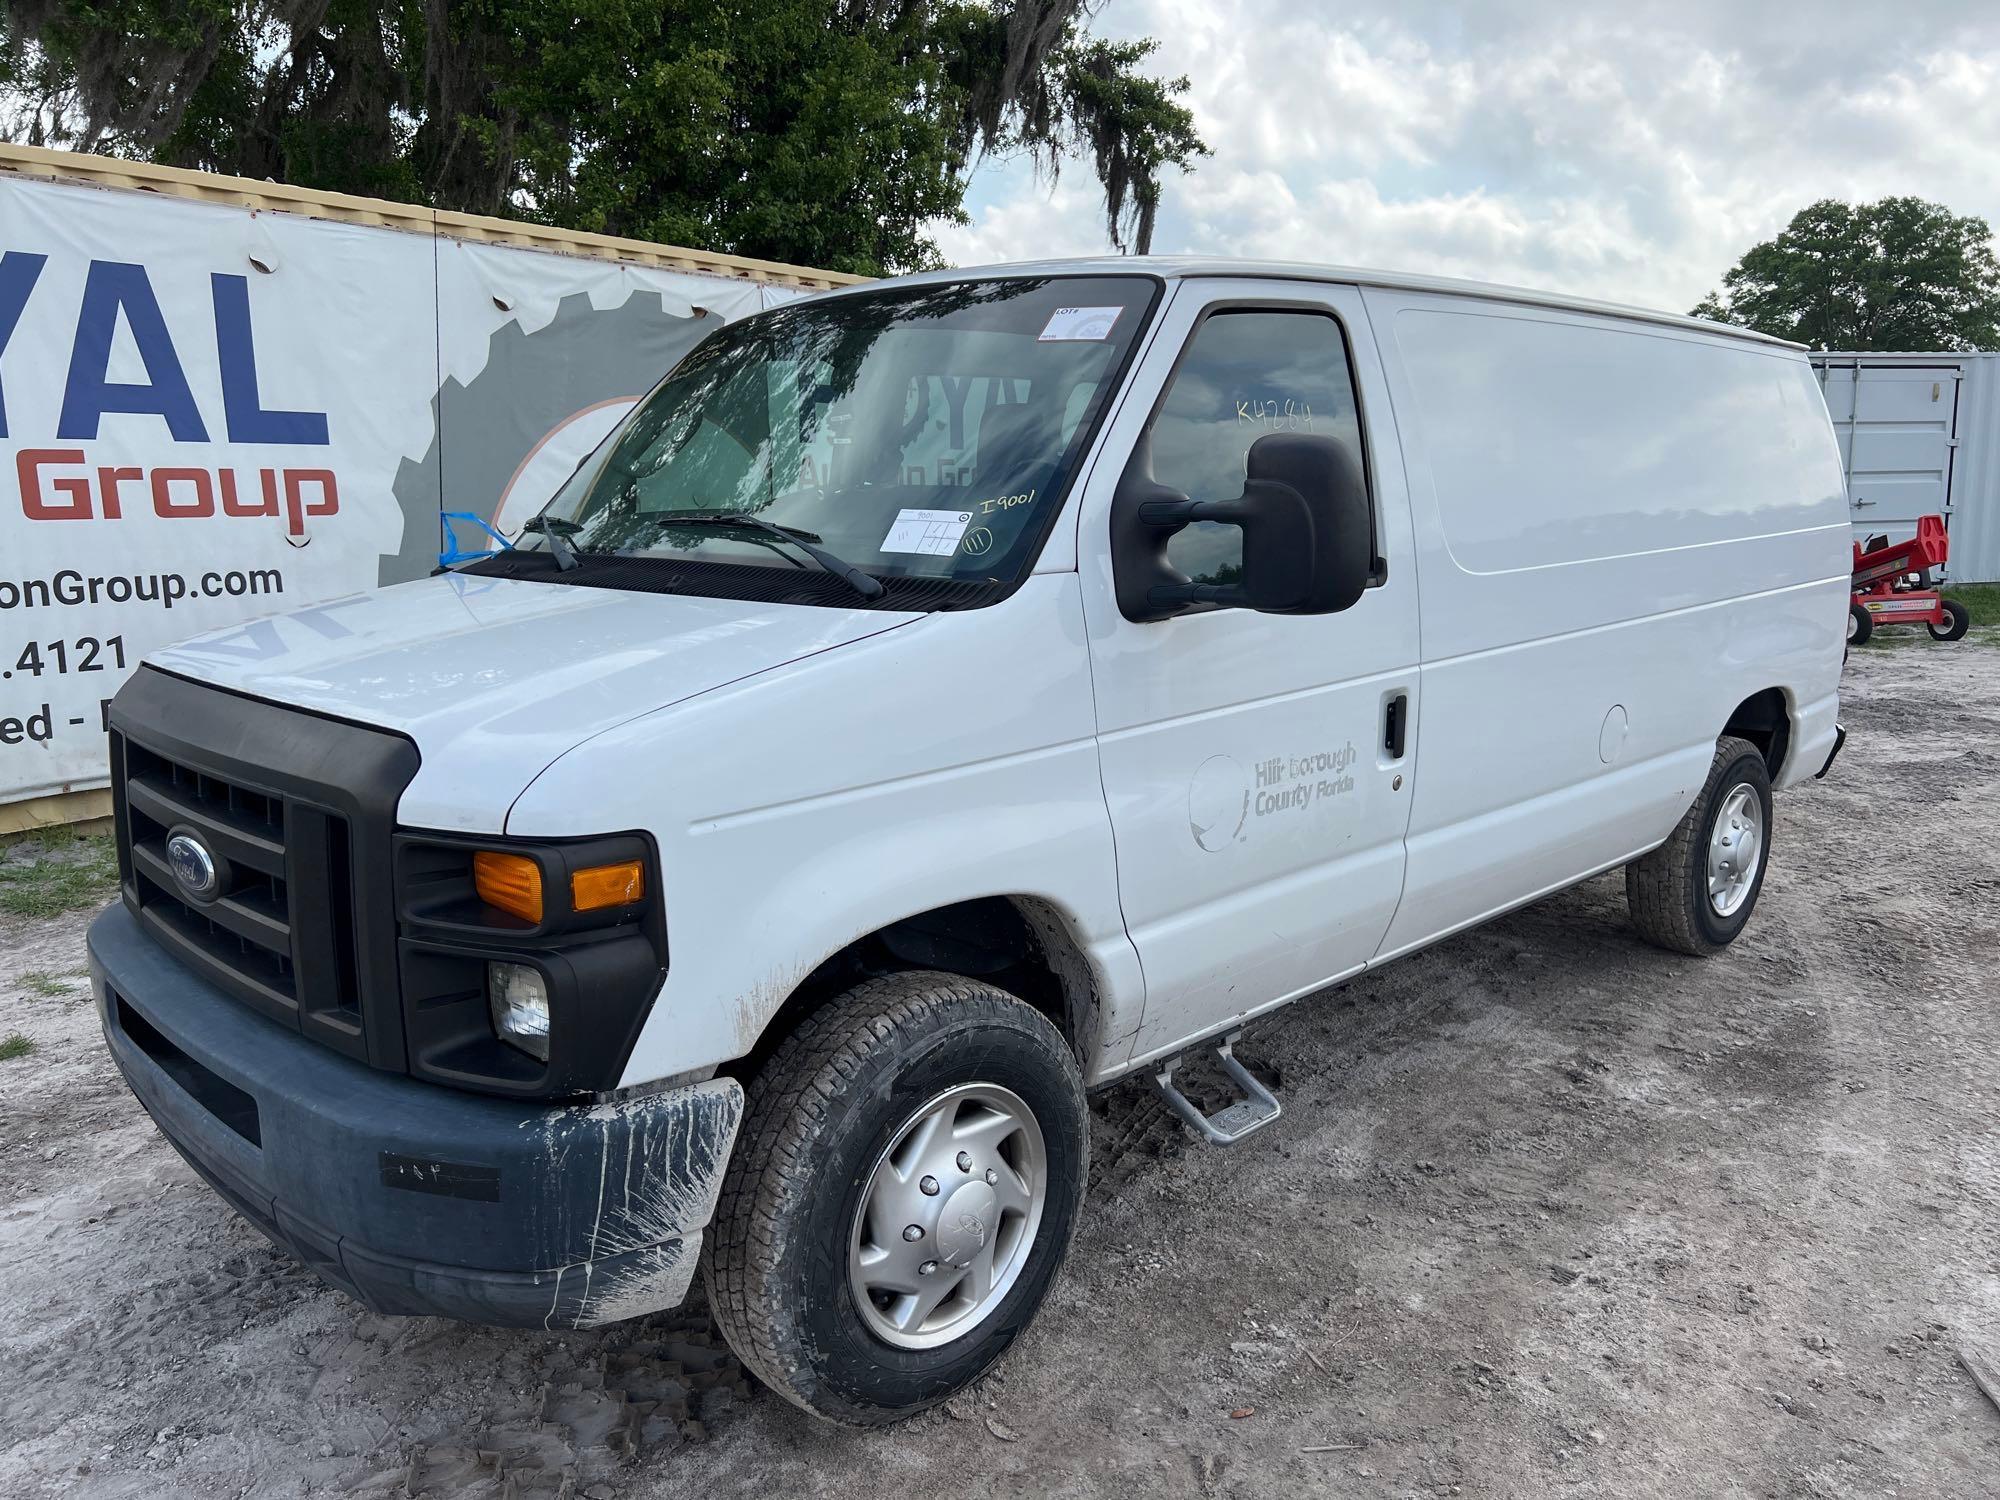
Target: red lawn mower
column 1892, row 585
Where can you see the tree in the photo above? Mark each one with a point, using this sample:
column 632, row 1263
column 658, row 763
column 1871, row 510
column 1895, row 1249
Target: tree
column 830, row 132
column 1898, row 274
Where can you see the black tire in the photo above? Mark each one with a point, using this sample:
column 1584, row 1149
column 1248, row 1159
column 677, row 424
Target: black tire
column 820, row 1114
column 1667, row 890
column 1860, row 625
column 1957, row 620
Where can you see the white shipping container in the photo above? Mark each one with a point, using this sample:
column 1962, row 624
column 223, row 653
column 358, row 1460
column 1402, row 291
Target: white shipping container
column 224, row 399
column 1919, row 436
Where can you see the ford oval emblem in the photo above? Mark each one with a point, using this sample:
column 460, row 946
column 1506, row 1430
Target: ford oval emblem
column 194, row 868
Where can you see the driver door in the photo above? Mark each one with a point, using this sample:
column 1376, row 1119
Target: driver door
column 1258, row 767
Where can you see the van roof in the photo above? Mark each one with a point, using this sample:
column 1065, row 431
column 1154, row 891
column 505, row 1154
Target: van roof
column 1173, row 266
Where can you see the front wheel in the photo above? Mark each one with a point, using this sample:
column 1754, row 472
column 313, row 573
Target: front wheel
column 1694, row 893
column 910, row 1168
column 1957, row 620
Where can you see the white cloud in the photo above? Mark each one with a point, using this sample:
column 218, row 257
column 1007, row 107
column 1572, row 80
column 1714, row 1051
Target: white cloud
column 1626, row 155
column 1029, row 219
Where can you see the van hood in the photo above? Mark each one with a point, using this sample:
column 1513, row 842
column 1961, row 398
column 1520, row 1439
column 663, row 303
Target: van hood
column 494, row 678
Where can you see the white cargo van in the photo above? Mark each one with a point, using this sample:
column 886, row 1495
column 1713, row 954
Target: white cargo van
column 936, row 700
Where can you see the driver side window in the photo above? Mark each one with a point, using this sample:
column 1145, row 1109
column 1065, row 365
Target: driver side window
column 1247, row 372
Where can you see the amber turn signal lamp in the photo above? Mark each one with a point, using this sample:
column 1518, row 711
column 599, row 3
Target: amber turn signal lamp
column 607, row 885
column 511, row 882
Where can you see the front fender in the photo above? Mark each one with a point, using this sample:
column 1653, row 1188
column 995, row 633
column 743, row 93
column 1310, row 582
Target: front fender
column 952, row 759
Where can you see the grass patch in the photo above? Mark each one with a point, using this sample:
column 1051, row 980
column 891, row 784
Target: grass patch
column 54, row 870
column 1981, row 600
column 48, row 986
column 14, row 1045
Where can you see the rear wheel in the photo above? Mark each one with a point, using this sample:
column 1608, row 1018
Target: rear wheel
column 1860, row 625
column 1694, row 893
column 1956, row 622
column 910, row 1168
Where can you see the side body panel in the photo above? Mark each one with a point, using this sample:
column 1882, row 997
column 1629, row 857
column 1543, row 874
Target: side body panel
column 1259, row 816
column 1623, row 531
column 950, row 759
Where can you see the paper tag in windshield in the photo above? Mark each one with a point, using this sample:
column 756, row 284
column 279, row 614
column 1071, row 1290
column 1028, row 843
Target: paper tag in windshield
column 1078, row 325
column 933, row 532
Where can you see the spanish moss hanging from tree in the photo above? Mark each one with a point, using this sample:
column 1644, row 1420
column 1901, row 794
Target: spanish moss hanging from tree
column 835, row 133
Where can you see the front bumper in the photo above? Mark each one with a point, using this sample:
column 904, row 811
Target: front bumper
column 411, row 1197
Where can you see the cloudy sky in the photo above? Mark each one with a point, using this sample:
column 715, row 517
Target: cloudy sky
column 1626, row 151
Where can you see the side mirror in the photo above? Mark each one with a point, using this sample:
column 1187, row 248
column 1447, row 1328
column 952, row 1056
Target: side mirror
column 1308, row 546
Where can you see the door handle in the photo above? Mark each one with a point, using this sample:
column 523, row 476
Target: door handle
column 1859, row 503
column 1396, row 724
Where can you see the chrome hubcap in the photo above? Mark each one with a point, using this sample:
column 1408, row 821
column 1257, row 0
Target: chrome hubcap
column 1735, row 849
column 948, row 1217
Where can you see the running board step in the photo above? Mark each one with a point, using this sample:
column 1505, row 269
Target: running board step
column 1257, row 1108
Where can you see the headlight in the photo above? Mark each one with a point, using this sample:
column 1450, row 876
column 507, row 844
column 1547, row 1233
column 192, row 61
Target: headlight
column 518, row 998
column 528, row 966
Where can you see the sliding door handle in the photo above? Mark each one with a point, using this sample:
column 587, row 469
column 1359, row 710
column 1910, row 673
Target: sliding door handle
column 1396, row 724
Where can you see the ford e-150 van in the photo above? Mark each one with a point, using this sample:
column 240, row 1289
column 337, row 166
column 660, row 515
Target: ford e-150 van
column 936, row 700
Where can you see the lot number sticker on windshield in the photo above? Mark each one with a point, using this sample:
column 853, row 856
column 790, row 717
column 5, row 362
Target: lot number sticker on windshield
column 1078, row 324
column 935, row 532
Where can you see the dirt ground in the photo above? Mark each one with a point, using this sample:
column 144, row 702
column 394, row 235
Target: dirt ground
column 1549, row 1212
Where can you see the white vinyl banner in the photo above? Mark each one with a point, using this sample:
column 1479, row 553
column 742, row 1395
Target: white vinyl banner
column 208, row 414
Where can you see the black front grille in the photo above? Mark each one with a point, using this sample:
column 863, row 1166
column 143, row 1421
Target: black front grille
column 249, row 937
column 289, row 810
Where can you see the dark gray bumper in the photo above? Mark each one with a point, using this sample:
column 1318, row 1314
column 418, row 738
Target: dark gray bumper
column 412, row 1197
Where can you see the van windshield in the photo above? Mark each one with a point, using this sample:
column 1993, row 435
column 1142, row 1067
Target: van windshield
column 918, row 433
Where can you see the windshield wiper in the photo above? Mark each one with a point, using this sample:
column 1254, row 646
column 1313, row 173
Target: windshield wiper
column 867, row 586
column 559, row 532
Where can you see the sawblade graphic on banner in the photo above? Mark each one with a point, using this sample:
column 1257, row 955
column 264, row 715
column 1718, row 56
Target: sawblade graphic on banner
column 505, row 440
